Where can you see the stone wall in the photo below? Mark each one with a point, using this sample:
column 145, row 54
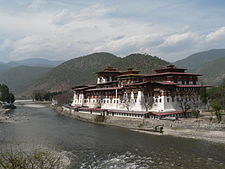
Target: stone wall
column 150, row 123
column 144, row 122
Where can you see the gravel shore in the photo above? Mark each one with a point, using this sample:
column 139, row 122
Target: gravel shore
column 208, row 135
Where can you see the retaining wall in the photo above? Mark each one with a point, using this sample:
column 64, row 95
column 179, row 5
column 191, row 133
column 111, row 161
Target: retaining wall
column 144, row 122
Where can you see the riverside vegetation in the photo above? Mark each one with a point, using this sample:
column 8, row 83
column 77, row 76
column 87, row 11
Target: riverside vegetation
column 216, row 100
column 36, row 159
column 5, row 95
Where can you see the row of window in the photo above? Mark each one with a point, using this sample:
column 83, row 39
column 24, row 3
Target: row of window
column 99, row 101
column 173, row 99
column 120, row 101
column 128, row 115
column 187, row 82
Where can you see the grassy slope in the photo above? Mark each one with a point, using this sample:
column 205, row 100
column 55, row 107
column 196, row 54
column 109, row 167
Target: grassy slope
column 197, row 60
column 19, row 78
column 213, row 72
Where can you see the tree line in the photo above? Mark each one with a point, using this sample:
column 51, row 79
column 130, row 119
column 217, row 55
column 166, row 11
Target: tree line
column 41, row 95
column 216, row 99
column 5, row 95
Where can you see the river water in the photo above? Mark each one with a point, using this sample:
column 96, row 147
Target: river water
column 99, row 146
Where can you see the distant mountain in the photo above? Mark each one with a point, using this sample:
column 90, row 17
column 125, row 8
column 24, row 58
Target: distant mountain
column 36, row 62
column 197, row 60
column 211, row 64
column 19, row 78
column 83, row 70
column 3, row 66
column 213, row 72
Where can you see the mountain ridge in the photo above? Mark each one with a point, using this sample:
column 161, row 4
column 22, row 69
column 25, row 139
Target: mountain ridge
column 82, row 70
column 39, row 62
column 19, row 78
column 208, row 63
column 196, row 60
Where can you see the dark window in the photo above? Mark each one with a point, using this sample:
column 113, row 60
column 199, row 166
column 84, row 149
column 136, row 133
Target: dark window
column 172, row 99
column 168, row 100
column 160, row 100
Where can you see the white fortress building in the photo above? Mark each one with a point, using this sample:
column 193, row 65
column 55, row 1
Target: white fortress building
column 168, row 92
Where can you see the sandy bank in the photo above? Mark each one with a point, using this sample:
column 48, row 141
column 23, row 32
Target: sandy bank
column 212, row 136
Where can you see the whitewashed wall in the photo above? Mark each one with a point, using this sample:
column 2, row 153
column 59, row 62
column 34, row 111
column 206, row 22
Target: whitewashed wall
column 135, row 105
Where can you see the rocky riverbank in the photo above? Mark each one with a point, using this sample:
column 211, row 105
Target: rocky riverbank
column 6, row 116
column 187, row 128
column 3, row 115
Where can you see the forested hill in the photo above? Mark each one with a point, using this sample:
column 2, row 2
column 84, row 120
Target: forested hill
column 211, row 64
column 197, row 60
column 20, row 78
column 82, row 70
column 143, row 62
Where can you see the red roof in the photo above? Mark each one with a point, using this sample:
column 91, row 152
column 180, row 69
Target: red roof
column 83, row 86
column 192, row 85
column 170, row 68
column 130, row 75
column 136, row 84
column 107, row 83
column 167, row 113
column 93, row 109
column 128, row 112
column 109, row 70
column 172, row 73
column 100, row 89
column 166, row 83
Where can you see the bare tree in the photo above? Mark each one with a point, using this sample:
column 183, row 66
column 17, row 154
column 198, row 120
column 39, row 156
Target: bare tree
column 190, row 101
column 127, row 101
column 100, row 100
column 147, row 101
column 184, row 104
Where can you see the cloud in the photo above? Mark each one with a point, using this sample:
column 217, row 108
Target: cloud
column 6, row 44
column 66, row 16
column 35, row 4
column 70, row 29
column 179, row 42
column 63, row 17
column 217, row 35
column 96, row 10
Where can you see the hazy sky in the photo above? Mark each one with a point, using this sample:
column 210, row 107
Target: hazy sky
column 64, row 29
